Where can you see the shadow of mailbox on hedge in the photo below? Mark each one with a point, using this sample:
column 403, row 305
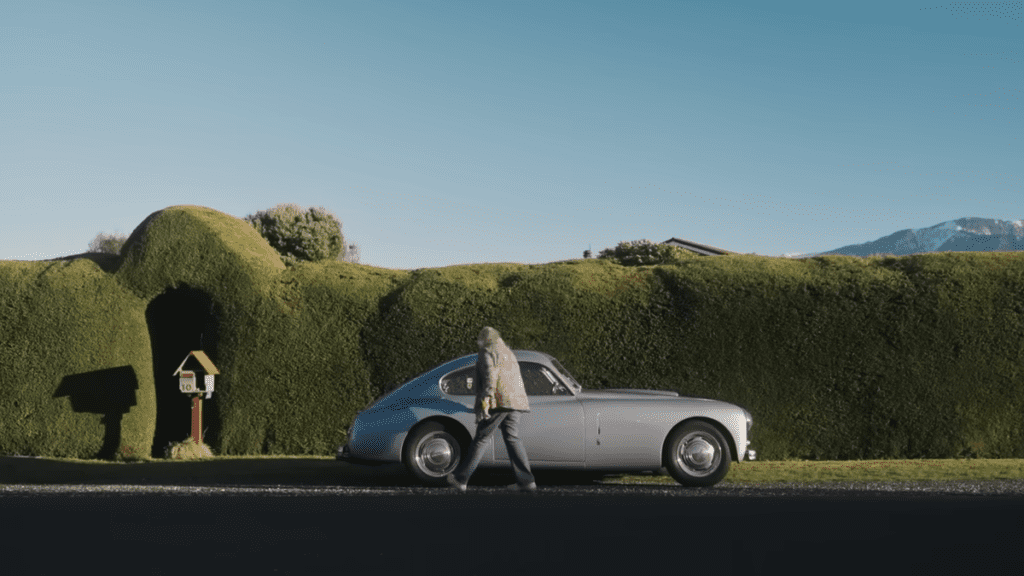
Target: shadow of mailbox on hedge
column 110, row 392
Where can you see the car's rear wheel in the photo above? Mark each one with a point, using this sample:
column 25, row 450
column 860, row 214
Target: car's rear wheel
column 430, row 453
column 696, row 454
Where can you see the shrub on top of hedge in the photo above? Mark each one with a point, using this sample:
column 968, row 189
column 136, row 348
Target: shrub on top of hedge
column 646, row 253
column 312, row 235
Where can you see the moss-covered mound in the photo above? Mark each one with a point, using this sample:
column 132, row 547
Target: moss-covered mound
column 837, row 357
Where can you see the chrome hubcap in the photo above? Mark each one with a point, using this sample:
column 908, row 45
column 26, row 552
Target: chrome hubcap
column 436, row 455
column 698, row 454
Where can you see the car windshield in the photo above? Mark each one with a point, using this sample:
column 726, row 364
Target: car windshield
column 566, row 376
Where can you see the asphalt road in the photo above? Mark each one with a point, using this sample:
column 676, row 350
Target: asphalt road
column 879, row 528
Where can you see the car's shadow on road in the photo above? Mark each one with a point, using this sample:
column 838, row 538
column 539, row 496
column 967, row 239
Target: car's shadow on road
column 237, row 471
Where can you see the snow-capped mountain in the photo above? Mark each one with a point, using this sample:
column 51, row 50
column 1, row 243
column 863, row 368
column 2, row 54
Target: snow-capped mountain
column 961, row 235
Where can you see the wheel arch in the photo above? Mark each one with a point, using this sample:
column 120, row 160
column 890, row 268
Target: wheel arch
column 718, row 426
column 453, row 426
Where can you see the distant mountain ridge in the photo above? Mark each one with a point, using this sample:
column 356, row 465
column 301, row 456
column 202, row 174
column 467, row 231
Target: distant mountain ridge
column 964, row 234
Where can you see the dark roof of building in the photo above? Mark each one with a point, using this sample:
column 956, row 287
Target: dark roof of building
column 702, row 249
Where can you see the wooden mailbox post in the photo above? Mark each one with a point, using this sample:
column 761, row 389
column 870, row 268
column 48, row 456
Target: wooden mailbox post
column 187, row 384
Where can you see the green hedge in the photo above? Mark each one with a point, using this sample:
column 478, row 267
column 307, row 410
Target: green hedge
column 298, row 370
column 837, row 357
column 76, row 378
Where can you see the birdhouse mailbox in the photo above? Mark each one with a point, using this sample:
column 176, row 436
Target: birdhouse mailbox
column 187, row 383
column 187, row 378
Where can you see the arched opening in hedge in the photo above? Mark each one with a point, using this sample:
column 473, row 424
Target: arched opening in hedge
column 180, row 320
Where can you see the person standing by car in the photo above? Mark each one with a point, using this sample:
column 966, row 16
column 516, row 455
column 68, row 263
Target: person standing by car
column 499, row 389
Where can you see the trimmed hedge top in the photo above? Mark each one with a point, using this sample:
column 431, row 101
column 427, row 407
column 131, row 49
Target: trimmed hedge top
column 199, row 247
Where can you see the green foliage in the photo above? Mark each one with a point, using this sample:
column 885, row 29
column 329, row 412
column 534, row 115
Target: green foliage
column 202, row 248
column 76, row 375
column 296, row 373
column 107, row 243
column 312, row 235
column 646, row 253
column 588, row 313
column 837, row 357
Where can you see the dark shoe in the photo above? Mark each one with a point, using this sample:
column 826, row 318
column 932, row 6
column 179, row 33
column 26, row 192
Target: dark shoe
column 454, row 484
column 531, row 487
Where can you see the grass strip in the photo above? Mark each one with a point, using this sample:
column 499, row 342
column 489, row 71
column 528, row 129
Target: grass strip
column 856, row 471
column 325, row 470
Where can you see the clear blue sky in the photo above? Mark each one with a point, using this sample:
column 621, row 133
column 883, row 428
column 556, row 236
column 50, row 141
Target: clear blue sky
column 446, row 133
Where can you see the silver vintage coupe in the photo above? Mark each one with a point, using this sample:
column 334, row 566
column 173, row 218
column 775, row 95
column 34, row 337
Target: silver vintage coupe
column 428, row 423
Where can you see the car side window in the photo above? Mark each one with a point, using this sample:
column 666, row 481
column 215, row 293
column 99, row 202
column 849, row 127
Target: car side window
column 540, row 381
column 537, row 378
column 460, row 382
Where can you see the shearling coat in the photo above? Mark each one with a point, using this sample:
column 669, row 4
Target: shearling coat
column 499, row 382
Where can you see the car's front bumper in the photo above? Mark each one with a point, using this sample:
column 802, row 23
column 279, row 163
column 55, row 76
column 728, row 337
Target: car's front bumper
column 345, row 455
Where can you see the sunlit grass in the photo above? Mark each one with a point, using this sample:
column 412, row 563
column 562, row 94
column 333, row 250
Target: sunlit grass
column 856, row 471
column 307, row 467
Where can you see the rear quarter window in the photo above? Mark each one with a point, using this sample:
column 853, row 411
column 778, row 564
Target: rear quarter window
column 460, row 382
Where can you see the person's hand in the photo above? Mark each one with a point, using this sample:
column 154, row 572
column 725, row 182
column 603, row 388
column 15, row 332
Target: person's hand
column 484, row 412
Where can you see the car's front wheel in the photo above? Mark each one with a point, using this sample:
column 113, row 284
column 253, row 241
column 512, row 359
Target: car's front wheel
column 431, row 453
column 697, row 454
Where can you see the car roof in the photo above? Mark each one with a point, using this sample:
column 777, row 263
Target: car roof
column 521, row 355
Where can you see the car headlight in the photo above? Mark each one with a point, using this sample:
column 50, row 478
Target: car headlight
column 750, row 421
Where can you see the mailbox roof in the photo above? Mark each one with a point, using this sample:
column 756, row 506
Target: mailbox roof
column 203, row 359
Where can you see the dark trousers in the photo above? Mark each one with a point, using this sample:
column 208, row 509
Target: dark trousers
column 509, row 423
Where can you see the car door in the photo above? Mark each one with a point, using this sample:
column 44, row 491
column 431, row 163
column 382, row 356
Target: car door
column 552, row 431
